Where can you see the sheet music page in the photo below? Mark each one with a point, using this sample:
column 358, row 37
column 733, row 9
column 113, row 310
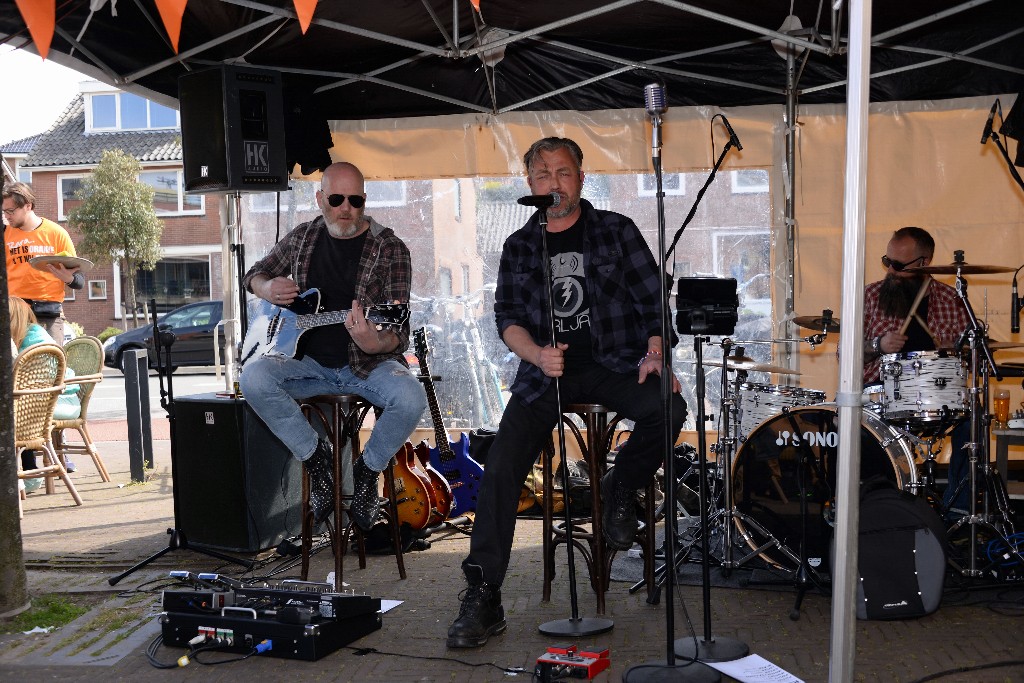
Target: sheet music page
column 754, row 669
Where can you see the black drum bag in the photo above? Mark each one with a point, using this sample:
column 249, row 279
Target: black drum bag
column 901, row 556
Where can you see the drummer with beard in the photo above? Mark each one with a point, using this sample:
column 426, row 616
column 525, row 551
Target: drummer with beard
column 936, row 323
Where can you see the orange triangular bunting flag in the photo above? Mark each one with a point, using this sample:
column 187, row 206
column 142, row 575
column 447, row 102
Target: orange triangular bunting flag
column 476, row 5
column 171, row 12
column 40, row 17
column 305, row 9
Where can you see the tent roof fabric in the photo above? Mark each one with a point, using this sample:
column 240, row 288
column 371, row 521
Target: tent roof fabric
column 364, row 61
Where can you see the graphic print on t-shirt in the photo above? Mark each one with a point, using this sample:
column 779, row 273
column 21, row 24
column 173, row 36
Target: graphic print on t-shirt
column 572, row 314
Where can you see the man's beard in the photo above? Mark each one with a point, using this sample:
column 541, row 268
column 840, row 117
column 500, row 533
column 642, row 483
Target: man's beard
column 897, row 294
column 343, row 228
column 564, row 209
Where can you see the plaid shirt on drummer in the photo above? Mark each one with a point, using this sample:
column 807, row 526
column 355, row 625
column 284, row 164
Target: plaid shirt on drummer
column 947, row 320
column 384, row 276
column 622, row 284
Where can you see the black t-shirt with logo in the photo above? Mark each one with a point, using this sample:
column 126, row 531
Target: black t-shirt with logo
column 571, row 301
column 332, row 270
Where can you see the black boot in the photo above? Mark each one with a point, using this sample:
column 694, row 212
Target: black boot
column 365, row 501
column 619, row 513
column 321, row 480
column 480, row 614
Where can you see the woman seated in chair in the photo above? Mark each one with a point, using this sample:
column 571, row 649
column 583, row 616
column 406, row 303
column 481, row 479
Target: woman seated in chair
column 26, row 331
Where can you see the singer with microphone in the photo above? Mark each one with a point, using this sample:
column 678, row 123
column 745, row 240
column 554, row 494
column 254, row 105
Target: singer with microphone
column 607, row 349
column 910, row 311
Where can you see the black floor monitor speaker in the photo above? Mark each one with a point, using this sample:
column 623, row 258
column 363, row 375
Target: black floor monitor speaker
column 232, row 130
column 237, row 487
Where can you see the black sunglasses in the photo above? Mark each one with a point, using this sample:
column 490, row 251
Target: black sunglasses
column 897, row 266
column 356, row 200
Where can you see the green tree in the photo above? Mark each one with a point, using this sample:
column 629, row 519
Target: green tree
column 118, row 221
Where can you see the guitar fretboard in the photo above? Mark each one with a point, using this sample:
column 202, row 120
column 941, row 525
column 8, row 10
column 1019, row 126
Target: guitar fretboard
column 311, row 320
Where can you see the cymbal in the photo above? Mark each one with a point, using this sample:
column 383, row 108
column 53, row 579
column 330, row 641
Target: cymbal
column 753, row 367
column 1005, row 345
column 962, row 268
column 817, row 324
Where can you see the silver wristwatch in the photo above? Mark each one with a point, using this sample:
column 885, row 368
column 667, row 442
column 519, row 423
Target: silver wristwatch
column 876, row 345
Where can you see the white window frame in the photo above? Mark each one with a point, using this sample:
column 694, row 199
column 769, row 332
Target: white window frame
column 181, row 195
column 61, row 214
column 641, row 191
column 101, row 290
column 91, row 127
column 738, row 188
column 209, row 251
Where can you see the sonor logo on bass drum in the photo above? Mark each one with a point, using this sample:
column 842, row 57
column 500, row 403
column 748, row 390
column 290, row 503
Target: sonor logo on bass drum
column 787, row 438
column 891, row 605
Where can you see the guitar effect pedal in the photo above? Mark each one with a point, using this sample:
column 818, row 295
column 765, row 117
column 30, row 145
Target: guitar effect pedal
column 566, row 661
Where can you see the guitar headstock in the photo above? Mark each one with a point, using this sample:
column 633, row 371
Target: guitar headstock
column 387, row 315
column 419, row 337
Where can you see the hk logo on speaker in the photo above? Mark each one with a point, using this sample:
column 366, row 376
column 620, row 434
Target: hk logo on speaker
column 257, row 157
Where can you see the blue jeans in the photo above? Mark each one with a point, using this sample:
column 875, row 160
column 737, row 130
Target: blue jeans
column 526, row 428
column 272, row 384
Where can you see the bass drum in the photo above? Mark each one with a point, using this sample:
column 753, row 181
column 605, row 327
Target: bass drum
column 767, row 484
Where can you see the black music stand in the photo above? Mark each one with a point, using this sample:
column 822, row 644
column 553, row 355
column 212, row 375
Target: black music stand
column 704, row 306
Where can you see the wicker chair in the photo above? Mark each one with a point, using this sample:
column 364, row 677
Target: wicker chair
column 84, row 356
column 38, row 382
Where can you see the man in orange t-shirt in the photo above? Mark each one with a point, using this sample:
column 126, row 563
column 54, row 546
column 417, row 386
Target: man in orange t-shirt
column 28, row 235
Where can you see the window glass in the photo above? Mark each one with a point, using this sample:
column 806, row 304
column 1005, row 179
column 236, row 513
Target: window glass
column 165, row 189
column 69, row 188
column 385, row 193
column 133, row 112
column 104, row 111
column 162, row 117
column 176, row 280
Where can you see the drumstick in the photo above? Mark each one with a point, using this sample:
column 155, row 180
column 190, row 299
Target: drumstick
column 927, row 330
column 913, row 306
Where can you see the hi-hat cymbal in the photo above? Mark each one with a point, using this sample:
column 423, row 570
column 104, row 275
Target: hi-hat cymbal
column 753, row 367
column 817, row 324
column 962, row 268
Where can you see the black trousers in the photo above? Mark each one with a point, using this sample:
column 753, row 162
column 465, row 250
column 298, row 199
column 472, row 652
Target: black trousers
column 525, row 429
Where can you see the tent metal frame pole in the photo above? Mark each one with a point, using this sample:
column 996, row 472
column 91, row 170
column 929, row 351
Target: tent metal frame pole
column 789, row 217
column 843, row 634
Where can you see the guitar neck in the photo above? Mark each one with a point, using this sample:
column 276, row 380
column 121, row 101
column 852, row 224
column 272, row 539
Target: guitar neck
column 311, row 320
column 440, row 433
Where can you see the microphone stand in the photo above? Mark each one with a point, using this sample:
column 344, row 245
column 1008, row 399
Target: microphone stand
column 575, row 625
column 670, row 670
column 1002, row 150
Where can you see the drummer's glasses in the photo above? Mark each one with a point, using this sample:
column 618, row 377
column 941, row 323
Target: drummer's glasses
column 896, row 265
column 355, row 200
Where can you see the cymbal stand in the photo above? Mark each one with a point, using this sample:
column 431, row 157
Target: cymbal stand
column 992, row 483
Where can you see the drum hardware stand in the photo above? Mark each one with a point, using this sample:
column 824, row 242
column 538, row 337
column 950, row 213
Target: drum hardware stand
column 993, row 483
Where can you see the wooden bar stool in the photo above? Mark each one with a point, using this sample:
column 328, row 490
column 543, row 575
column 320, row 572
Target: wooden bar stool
column 347, row 414
column 590, row 542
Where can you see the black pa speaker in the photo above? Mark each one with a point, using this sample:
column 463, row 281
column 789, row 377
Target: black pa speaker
column 236, row 486
column 232, row 130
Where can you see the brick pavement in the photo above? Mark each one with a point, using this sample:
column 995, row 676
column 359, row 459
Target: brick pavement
column 80, row 547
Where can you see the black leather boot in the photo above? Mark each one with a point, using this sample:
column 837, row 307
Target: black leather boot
column 365, row 501
column 321, row 480
column 619, row 513
column 480, row 614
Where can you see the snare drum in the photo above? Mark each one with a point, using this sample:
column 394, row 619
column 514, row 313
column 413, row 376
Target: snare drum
column 758, row 402
column 922, row 388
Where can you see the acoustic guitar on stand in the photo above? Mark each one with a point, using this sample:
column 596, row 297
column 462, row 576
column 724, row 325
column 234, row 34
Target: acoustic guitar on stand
column 450, row 458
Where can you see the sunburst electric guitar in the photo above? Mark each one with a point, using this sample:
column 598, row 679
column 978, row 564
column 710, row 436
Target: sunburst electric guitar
column 450, row 458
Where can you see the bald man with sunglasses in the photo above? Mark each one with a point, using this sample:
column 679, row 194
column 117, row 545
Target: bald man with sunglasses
column 937, row 323
column 355, row 262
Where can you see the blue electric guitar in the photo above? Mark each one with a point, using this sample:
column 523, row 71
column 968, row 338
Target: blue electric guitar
column 273, row 329
column 451, row 459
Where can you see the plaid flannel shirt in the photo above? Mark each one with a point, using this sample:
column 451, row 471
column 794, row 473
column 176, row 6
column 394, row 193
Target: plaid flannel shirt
column 947, row 320
column 622, row 284
column 384, row 276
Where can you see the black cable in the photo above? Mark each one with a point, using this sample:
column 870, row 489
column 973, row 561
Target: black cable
column 363, row 651
column 968, row 669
